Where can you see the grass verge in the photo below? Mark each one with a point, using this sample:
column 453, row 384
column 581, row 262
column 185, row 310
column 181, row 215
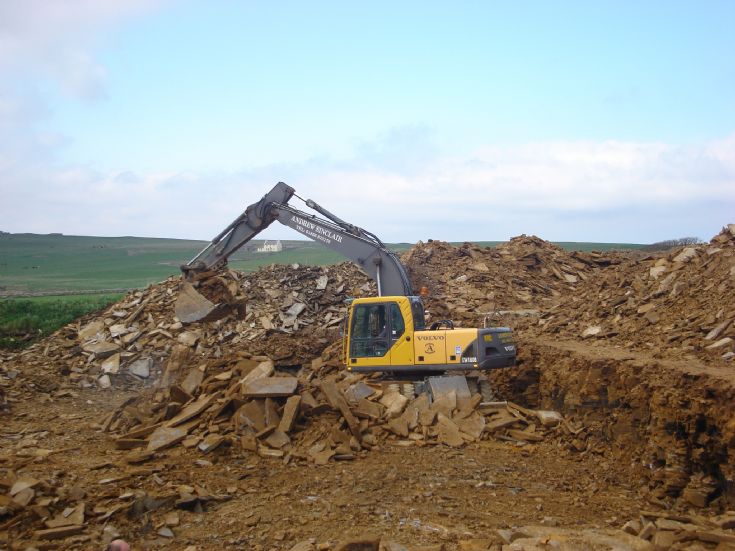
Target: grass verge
column 25, row 320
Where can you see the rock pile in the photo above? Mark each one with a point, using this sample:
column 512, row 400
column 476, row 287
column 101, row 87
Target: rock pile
column 317, row 414
column 682, row 302
column 666, row 530
column 292, row 314
column 469, row 283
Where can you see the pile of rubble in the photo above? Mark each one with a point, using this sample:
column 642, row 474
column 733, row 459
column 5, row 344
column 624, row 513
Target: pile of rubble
column 290, row 313
column 683, row 302
column 527, row 274
column 667, row 530
column 319, row 413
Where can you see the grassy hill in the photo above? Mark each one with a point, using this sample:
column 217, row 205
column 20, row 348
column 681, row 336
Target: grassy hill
column 65, row 264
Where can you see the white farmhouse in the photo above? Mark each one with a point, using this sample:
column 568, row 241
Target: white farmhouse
column 270, row 247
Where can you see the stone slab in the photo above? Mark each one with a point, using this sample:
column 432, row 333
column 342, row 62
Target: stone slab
column 270, row 387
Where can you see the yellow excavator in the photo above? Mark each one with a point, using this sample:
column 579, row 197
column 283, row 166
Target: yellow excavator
column 386, row 333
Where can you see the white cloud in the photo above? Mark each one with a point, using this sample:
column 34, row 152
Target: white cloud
column 610, row 191
column 53, row 39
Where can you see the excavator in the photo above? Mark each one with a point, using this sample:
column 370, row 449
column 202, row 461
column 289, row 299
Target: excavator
column 386, row 333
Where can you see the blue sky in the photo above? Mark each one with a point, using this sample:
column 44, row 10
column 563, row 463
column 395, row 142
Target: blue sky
column 581, row 121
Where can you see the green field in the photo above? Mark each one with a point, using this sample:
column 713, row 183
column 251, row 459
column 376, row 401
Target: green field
column 25, row 320
column 34, row 264
column 43, row 264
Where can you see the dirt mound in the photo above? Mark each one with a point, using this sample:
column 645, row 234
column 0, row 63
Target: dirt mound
column 681, row 303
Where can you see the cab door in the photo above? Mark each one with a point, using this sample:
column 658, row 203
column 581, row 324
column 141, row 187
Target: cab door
column 370, row 335
column 401, row 328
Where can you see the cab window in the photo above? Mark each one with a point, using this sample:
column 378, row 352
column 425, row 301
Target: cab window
column 397, row 325
column 369, row 331
column 417, row 311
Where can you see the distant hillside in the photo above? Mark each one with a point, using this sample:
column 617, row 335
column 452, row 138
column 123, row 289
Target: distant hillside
column 31, row 263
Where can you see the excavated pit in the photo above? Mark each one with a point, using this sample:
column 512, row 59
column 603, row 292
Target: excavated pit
column 671, row 421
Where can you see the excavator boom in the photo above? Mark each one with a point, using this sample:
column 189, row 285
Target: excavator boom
column 360, row 246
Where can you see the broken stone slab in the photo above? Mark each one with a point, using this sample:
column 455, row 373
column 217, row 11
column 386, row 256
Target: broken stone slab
column 473, row 425
column 165, row 532
column 179, row 395
column 188, row 338
column 548, row 418
column 307, row 545
column 592, row 331
column 58, row 533
column 165, row 437
column 525, row 436
column 111, row 365
column 646, row 308
column 295, row 309
column 399, row 426
column 712, row 335
column 270, row 387
column 192, row 410
column 211, row 442
column 24, row 497
column 358, row 391
column 632, row 527
column 191, row 382
column 22, row 484
column 290, row 412
column 368, row 410
column 322, row 457
column 686, row 255
column 656, row 271
column 272, row 418
column 277, row 439
column 68, row 517
column 446, row 404
column 118, row 330
column 130, row 443
column 91, row 330
column 263, row 369
column 696, row 497
column 502, row 422
column 141, row 367
column 251, row 414
column 394, row 403
column 720, row 343
column 448, row 432
column 171, row 519
column 321, row 282
column 102, row 349
column 338, row 402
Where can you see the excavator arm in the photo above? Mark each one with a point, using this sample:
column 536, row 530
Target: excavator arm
column 360, row 246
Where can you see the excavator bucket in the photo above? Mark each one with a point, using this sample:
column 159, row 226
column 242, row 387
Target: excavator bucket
column 192, row 307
